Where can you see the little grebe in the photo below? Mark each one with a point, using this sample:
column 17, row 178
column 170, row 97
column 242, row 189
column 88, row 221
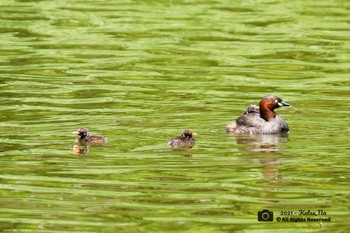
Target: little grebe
column 183, row 141
column 84, row 137
column 262, row 119
column 252, row 109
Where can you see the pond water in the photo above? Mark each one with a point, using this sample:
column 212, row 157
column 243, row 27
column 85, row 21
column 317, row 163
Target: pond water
column 139, row 73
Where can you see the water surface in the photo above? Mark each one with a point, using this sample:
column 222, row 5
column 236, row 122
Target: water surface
column 140, row 72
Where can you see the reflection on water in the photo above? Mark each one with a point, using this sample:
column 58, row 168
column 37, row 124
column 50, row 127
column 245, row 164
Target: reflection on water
column 189, row 155
column 261, row 142
column 81, row 149
column 268, row 144
column 270, row 167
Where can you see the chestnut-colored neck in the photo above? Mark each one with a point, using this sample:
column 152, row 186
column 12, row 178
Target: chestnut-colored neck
column 266, row 110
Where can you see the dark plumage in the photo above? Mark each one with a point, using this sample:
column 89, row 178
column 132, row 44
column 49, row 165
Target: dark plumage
column 185, row 140
column 252, row 109
column 84, row 137
column 262, row 119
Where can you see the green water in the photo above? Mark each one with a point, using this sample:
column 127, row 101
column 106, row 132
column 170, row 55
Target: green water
column 140, row 72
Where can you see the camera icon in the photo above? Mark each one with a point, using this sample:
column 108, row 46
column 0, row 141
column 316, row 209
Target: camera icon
column 265, row 216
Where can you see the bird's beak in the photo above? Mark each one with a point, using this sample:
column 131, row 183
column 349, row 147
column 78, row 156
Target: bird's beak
column 283, row 104
column 76, row 132
column 194, row 134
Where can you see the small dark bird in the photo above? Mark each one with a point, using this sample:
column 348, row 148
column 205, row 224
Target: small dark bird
column 252, row 108
column 185, row 140
column 84, row 137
